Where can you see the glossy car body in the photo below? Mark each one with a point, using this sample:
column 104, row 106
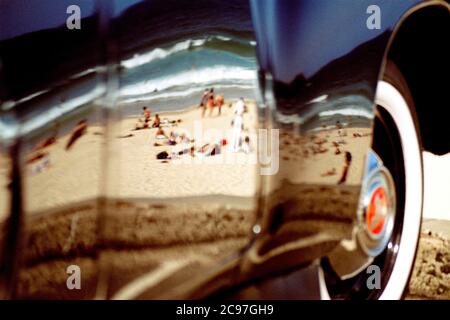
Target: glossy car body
column 318, row 68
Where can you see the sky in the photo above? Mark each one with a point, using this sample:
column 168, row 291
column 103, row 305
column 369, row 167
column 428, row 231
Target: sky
column 437, row 186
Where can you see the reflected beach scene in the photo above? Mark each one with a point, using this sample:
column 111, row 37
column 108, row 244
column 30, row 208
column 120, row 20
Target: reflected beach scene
column 187, row 164
column 175, row 149
column 146, row 170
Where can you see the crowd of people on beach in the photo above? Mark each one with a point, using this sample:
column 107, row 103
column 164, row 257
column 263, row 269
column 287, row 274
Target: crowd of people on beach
column 39, row 156
column 209, row 101
column 238, row 142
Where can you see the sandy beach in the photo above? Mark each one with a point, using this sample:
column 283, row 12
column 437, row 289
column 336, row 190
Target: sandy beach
column 142, row 240
column 142, row 175
column 165, row 208
column 190, row 211
column 76, row 175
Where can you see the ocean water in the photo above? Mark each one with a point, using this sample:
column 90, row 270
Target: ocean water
column 174, row 77
column 216, row 51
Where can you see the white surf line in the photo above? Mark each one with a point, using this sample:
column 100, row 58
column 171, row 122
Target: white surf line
column 139, row 285
column 437, row 186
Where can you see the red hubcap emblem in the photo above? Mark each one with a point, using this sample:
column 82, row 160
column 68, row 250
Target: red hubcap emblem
column 377, row 211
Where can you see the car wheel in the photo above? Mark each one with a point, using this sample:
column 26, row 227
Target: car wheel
column 396, row 142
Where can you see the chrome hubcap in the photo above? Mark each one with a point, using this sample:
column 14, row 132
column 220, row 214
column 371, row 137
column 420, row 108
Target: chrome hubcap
column 377, row 207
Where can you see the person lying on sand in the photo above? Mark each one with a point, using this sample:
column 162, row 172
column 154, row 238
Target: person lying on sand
column 215, row 148
column 47, row 142
column 164, row 155
column 168, row 123
column 208, row 150
column 79, row 130
column 36, row 157
column 183, row 138
column 190, row 150
column 174, row 139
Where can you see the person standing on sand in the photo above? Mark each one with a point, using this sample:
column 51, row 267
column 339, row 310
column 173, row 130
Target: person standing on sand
column 211, row 103
column 147, row 114
column 145, row 122
column 237, row 124
column 219, row 102
column 348, row 161
column 203, row 101
column 157, row 121
column 239, row 107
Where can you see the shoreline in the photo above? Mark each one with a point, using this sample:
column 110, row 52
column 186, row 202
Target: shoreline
column 189, row 108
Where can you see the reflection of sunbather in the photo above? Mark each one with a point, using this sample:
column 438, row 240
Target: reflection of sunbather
column 79, row 130
column 203, row 101
column 49, row 141
column 183, row 138
column 168, row 123
column 147, row 114
column 209, row 150
column 45, row 143
column 35, row 157
column 219, row 103
column 172, row 139
column 143, row 123
column 156, row 122
column 160, row 134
